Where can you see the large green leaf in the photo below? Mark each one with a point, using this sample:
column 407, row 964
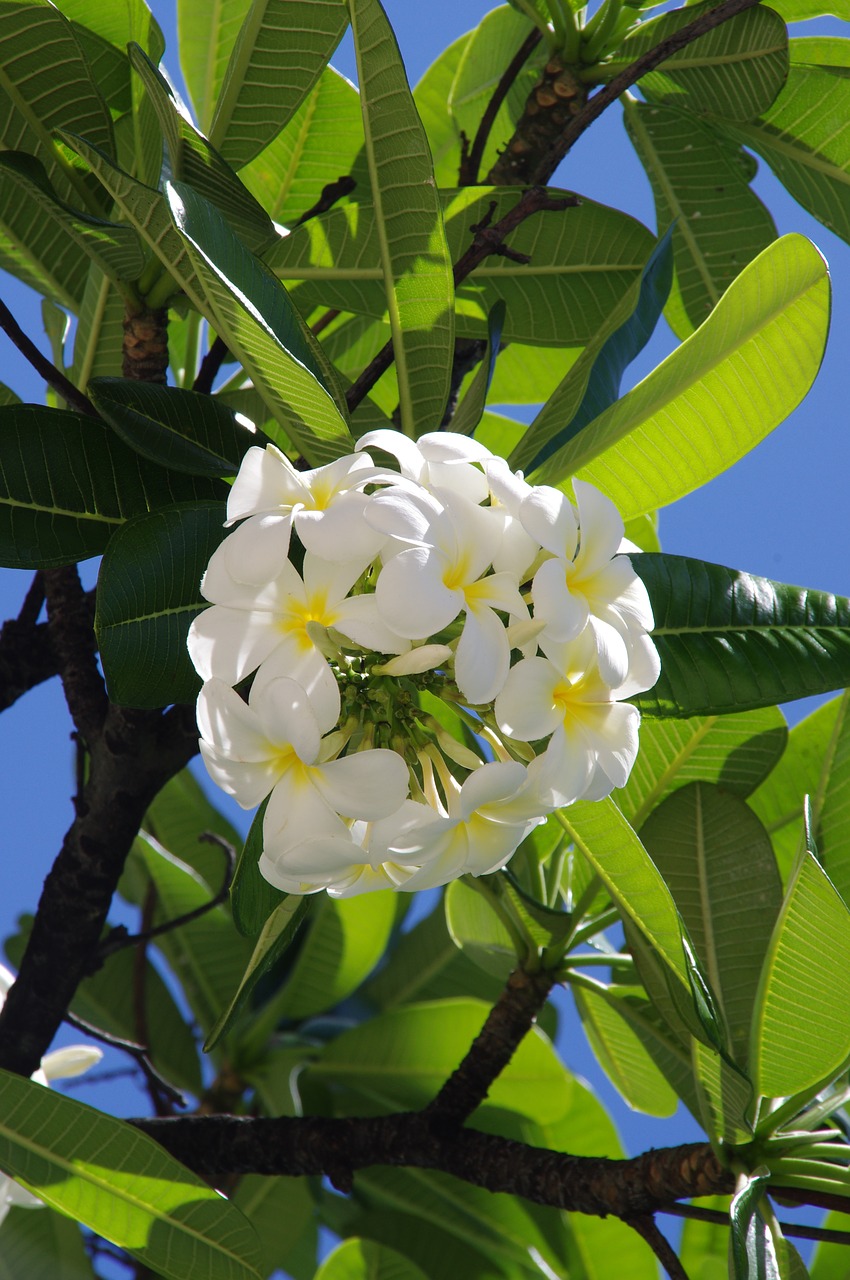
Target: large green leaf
column 46, row 84
column 799, row 1031
column 735, row 751
column 582, row 261
column 322, row 142
column 122, row 1185
column 414, row 258
column 366, row 1260
column 735, row 71
column 42, row 1246
column 347, row 938
column 118, row 23
column 622, row 1055
column 283, row 1214
column 479, row 932
column 724, row 389
column 431, row 95
column 207, row 955
column 99, row 334
column 832, row 804
column 206, row 36
column 609, row 844
column 252, row 898
column 195, row 161
column 702, row 185
column 295, row 38
column 148, row 594
column 181, row 430
column 47, row 244
column 730, row 641
column 67, row 484
column 179, row 815
column 252, row 312
column 725, row 1096
column 805, row 138
column 717, row 861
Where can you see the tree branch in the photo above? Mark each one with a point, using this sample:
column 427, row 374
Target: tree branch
column 795, row 1229
column 137, row 1052
column 648, row 61
column 70, row 628
column 43, row 367
column 471, row 160
column 660, row 1246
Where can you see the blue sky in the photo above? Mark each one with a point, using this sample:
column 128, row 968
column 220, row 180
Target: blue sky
column 780, row 512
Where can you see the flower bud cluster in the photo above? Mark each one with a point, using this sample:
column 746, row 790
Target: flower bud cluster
column 439, row 655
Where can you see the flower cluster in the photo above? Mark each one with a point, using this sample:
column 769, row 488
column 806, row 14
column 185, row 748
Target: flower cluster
column 62, row 1063
column 438, row 653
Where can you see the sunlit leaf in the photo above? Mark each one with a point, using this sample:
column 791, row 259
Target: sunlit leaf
column 366, row 1260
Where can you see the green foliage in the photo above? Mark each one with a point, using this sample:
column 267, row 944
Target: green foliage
column 701, row 917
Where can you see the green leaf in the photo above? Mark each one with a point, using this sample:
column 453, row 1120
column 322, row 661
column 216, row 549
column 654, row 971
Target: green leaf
column 830, row 1260
column 582, row 261
column 753, row 1256
column 700, row 183
column 831, row 815
column 717, row 861
column 622, row 1055
column 252, row 312
column 598, row 372
column 283, row 1214
column 100, row 330
column 207, row 955
column 730, row 641
column 122, row 1185
column 400, row 1059
column 46, row 84
column 831, row 53
column 479, row 932
column 42, row 1246
column 735, row 71
column 799, row 1031
column 105, row 1000
column 413, row 253
column 181, row 430
column 322, row 141
column 66, row 485
column 49, row 245
column 179, row 815
column 296, row 39
column 735, row 751
column 431, row 95
column 804, row 139
column 468, row 413
column 276, row 937
column 624, row 866
column 252, row 898
column 725, row 1097
column 148, row 594
column 347, row 938
column 704, row 1246
column 366, row 1260
column 724, row 389
column 194, row 161
column 205, row 39
column 118, row 24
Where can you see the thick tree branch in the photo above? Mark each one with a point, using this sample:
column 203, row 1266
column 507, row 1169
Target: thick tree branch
column 309, row 1146
column 629, row 76
column 70, row 626
column 471, row 159
column 510, row 1019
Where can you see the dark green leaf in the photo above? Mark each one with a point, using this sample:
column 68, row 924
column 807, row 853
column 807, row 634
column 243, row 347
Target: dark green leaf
column 181, row 430
column 365, row 1260
column 42, row 1246
column 67, row 484
column 179, row 815
column 753, row 1253
column 148, row 594
column 282, row 1211
column 700, row 183
column 730, row 641
column 252, row 898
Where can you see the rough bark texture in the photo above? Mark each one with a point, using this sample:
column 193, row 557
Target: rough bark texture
column 145, row 354
column 554, row 101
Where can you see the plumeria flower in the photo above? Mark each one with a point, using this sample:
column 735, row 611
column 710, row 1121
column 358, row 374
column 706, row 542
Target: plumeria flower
column 249, row 625
column 441, row 573
column 475, row 830
column 273, row 744
column 59, row 1065
column 517, row 550
column 324, row 506
column 439, row 460
column 594, row 734
column 586, row 583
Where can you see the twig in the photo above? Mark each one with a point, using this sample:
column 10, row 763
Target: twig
column 69, row 620
column 331, row 192
column 323, row 321
column 118, row 938
column 510, row 1019
column 33, row 600
column 137, row 1052
column 795, row 1229
column 471, row 160
column 660, row 1246
column 487, row 240
column 160, row 1103
column 210, row 366
column 630, row 75
column 51, row 375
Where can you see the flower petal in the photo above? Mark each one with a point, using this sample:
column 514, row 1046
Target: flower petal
column 70, row 1061
column 483, row 655
column 288, row 717
column 369, row 784
column 412, row 598
column 549, row 517
column 266, row 481
column 340, row 531
column 526, row 707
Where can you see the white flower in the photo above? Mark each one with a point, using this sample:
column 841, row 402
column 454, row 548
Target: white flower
column 324, row 506
column 594, row 736
column 439, row 460
column 274, row 744
column 442, row 573
column 61, row 1064
column 586, row 583
column 249, row 625
column 517, row 549
column 482, row 824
